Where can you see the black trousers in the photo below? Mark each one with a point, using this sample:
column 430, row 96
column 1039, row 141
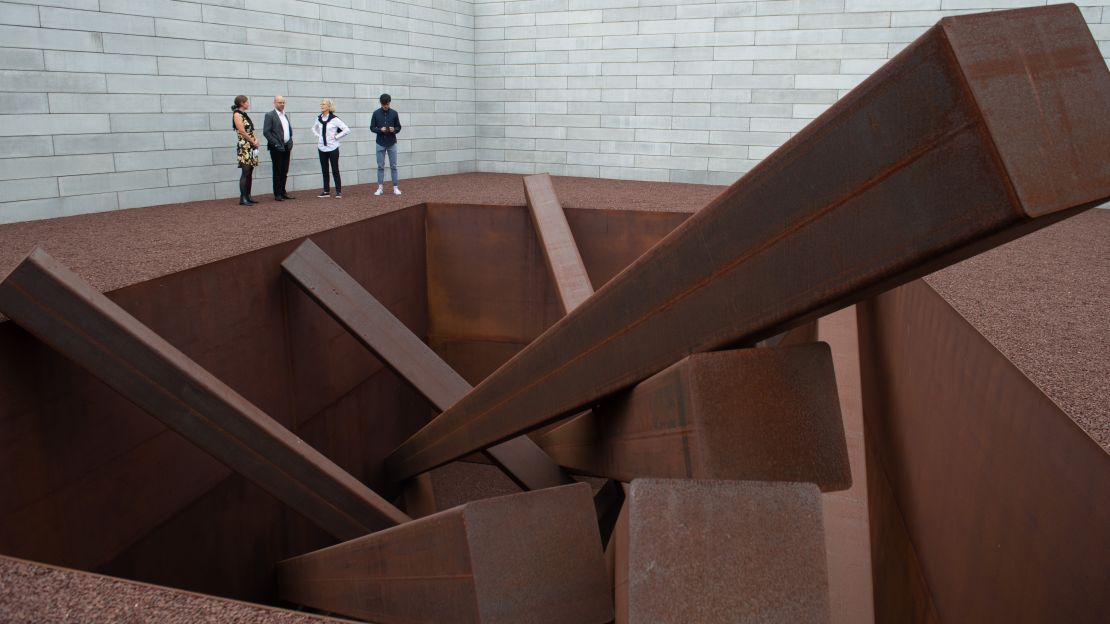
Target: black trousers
column 331, row 158
column 280, row 160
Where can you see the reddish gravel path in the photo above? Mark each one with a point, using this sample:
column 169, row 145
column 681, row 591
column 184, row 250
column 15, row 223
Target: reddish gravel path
column 1044, row 300
column 124, row 247
column 34, row 593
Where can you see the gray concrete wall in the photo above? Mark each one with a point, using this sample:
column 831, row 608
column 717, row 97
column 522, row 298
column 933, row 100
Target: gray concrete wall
column 110, row 104
column 680, row 90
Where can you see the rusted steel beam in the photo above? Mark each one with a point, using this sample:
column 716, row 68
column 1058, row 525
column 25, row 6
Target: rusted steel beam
column 572, row 283
column 531, row 557
column 372, row 324
column 564, row 263
column 65, row 312
column 986, row 128
column 747, row 414
column 717, row 552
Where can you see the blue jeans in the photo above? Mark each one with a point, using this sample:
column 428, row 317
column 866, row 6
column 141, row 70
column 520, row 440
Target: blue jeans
column 380, row 152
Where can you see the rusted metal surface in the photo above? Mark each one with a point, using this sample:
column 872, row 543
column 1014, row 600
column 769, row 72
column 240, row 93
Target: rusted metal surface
column 847, row 538
column 489, row 291
column 722, row 552
column 531, row 557
column 564, row 263
column 402, row 351
column 901, row 177
column 61, row 309
column 71, row 440
column 1005, row 500
column 746, row 414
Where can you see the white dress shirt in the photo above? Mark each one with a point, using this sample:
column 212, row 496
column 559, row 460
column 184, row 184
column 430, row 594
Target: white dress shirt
column 284, row 125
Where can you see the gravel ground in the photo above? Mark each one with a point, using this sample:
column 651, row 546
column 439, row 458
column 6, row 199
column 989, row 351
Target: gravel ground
column 33, row 593
column 124, row 247
column 1044, row 302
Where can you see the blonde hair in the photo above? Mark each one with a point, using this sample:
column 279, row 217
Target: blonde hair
column 331, row 105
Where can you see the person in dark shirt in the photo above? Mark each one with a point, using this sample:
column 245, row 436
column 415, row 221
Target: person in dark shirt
column 386, row 123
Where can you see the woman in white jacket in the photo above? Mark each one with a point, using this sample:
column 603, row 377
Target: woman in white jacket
column 328, row 130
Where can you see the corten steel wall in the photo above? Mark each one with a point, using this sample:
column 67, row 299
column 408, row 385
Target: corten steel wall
column 988, row 504
column 681, row 90
column 489, row 290
column 110, row 104
column 98, row 484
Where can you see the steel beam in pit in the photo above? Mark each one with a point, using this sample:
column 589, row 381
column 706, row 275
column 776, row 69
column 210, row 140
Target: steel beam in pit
column 564, row 263
column 373, row 325
column 531, row 557
column 717, row 552
column 987, row 127
column 572, row 283
column 747, row 414
column 64, row 311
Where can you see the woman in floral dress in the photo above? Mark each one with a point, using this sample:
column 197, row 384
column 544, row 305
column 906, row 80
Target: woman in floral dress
column 247, row 147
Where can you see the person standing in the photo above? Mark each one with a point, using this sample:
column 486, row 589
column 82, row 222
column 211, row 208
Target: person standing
column 329, row 129
column 246, row 147
column 386, row 123
column 278, row 132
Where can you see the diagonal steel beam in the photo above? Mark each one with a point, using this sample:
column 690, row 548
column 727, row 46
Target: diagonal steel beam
column 530, row 557
column 572, row 283
column 64, row 311
column 986, row 128
column 372, row 324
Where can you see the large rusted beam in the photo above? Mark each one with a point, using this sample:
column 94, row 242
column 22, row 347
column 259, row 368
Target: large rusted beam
column 531, row 557
column 986, row 128
column 65, row 312
column 564, row 263
column 717, row 552
column 372, row 324
column 747, row 414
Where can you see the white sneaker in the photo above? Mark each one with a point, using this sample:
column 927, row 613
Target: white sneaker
column 379, row 191
column 396, row 191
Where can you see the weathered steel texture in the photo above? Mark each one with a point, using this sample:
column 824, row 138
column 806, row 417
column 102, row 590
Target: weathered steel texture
column 1005, row 500
column 901, row 177
column 530, row 557
column 564, row 263
column 721, row 552
column 373, row 325
column 62, row 310
column 847, row 535
column 747, row 414
column 488, row 291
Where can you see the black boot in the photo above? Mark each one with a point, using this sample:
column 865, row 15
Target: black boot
column 243, row 201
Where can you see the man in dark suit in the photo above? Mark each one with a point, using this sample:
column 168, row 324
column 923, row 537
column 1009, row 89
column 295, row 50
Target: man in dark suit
column 278, row 131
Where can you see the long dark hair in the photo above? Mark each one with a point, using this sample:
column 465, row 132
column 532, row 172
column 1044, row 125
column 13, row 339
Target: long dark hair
column 239, row 99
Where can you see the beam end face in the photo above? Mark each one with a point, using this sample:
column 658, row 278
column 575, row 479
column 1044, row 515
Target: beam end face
column 722, row 551
column 1036, row 75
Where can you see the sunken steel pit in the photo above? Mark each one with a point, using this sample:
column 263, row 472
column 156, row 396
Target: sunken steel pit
column 101, row 485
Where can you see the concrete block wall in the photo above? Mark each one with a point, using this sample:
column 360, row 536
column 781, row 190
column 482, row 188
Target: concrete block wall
column 111, row 104
column 680, row 90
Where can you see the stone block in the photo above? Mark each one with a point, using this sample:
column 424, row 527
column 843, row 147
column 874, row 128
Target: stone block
column 49, row 39
column 95, row 21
